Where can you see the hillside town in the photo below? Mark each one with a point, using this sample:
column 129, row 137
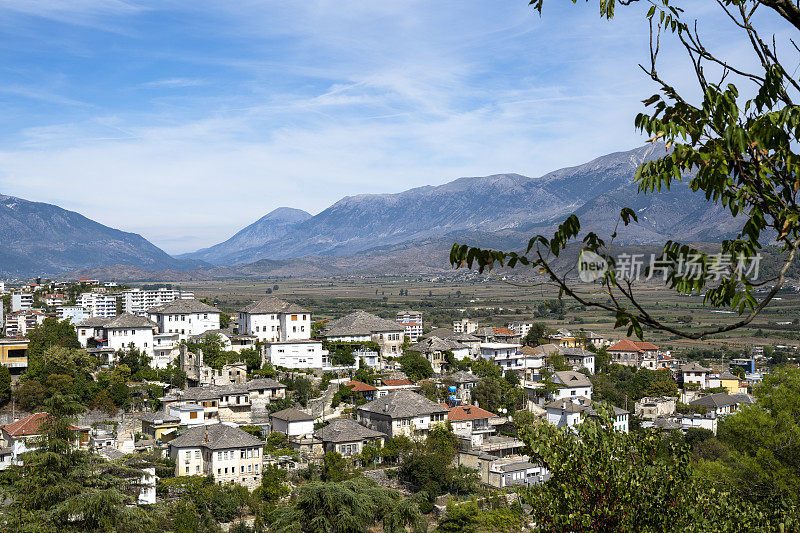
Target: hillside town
column 233, row 397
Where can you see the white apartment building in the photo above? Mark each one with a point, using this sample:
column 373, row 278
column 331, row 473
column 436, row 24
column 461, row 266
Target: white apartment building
column 412, row 323
column 185, row 317
column 273, row 320
column 54, row 299
column 226, row 453
column 139, row 301
column 19, row 323
column 520, row 328
column 507, row 356
column 21, row 301
column 165, row 349
column 74, row 313
column 98, row 305
column 465, row 325
column 297, row 354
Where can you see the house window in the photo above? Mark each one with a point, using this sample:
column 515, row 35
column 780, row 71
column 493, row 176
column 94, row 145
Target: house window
column 193, row 415
column 187, row 469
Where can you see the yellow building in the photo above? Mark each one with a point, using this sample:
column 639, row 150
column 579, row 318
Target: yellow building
column 14, row 355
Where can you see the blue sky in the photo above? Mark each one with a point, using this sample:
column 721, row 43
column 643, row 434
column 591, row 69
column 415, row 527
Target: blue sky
column 185, row 121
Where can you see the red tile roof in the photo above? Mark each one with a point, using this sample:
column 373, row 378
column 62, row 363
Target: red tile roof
column 624, row 346
column 644, row 345
column 359, row 386
column 396, row 382
column 30, row 425
column 468, row 412
column 503, row 331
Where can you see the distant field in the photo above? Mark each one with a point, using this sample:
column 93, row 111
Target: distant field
column 496, row 303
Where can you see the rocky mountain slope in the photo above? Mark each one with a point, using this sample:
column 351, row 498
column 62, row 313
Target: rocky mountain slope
column 44, row 239
column 269, row 228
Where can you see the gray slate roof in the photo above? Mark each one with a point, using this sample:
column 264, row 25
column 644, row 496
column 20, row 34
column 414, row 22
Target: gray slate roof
column 264, row 383
column 722, row 399
column 570, row 378
column 164, row 417
column 694, row 367
column 127, row 320
column 215, row 437
column 228, row 332
column 346, row 430
column 292, row 415
column 272, row 305
column 94, row 322
column 361, row 323
column 462, row 376
column 435, row 344
column 575, row 352
column 443, row 333
column 403, row 404
column 183, row 306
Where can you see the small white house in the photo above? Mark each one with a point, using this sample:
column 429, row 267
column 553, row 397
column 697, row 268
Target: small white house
column 292, row 423
column 571, row 384
column 298, row 354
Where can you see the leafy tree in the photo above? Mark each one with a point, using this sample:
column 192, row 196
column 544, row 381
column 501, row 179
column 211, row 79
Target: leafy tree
column 59, row 487
column 104, row 402
column 415, row 366
column 764, row 443
column 273, row 484
column 30, row 395
column 48, row 334
column 606, row 480
column 558, row 362
column 461, row 518
column 488, row 394
column 351, row 506
column 737, row 151
column 5, row 385
column 334, row 467
column 303, row 389
column 535, row 335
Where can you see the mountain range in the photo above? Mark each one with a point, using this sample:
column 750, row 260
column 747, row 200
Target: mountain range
column 406, row 232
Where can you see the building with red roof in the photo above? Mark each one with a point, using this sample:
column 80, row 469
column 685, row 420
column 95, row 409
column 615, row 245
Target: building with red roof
column 635, row 353
column 20, row 435
column 366, row 390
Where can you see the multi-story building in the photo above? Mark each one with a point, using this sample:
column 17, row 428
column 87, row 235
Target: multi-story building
column 520, row 328
column 74, row 313
column 579, row 358
column 296, row 354
column 98, row 305
column 14, row 355
column 53, row 299
column 571, row 411
column 402, row 412
column 507, row 356
column 361, row 326
column 123, row 331
column 435, row 351
column 19, row 323
column 465, row 325
column 21, row 301
column 571, row 384
column 138, row 301
column 412, row 322
column 226, row 453
column 694, row 374
column 635, row 353
column 348, row 437
column 273, row 320
column 185, row 317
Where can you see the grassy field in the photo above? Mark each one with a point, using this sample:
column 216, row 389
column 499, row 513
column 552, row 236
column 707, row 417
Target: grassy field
column 494, row 302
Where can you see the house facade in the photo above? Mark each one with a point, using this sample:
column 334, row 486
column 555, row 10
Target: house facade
column 273, row 320
column 402, row 412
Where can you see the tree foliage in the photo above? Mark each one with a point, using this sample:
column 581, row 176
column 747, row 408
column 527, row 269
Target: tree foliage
column 735, row 149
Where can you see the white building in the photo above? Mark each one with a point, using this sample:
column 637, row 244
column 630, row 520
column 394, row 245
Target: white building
column 293, row 423
column 98, row 305
column 21, row 301
column 297, row 354
column 412, row 322
column 226, row 453
column 579, row 358
column 361, row 326
column 694, row 374
column 165, row 349
column 53, row 299
column 520, row 328
column 465, row 325
column 568, row 412
column 402, row 413
column 19, row 323
column 74, row 313
column 508, row 356
column 273, row 320
column 123, row 331
column 138, row 301
column 571, row 384
column 191, row 414
column 185, row 317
